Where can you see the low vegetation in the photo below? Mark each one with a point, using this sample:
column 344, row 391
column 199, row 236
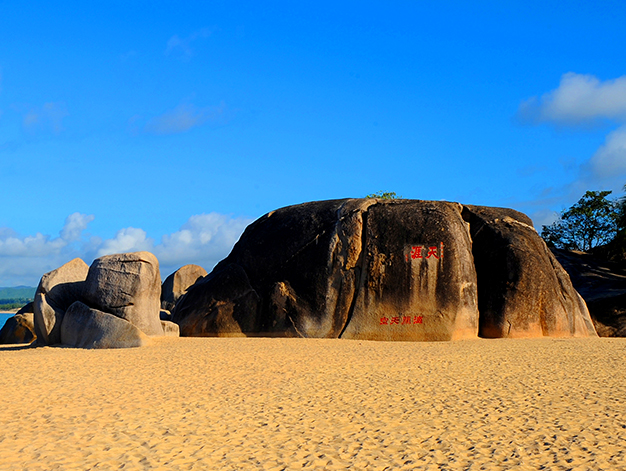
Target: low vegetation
column 385, row 195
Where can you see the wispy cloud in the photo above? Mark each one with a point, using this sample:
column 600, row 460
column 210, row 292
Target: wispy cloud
column 579, row 99
column 128, row 55
column 582, row 100
column 610, row 159
column 204, row 239
column 183, row 118
column 48, row 117
column 181, row 47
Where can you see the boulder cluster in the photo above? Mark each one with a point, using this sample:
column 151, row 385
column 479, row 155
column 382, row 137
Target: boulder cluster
column 113, row 303
column 368, row 269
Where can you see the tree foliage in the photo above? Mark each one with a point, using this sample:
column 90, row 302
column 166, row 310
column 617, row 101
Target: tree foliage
column 592, row 221
column 385, row 195
column 621, row 212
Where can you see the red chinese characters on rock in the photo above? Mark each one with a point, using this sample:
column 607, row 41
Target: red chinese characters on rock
column 401, row 320
column 425, row 252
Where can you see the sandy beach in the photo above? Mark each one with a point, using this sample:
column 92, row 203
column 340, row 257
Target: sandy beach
column 259, row 403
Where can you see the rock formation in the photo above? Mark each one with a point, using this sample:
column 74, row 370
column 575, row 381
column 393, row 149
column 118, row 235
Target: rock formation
column 222, row 305
column 386, row 270
column 18, row 329
column 522, row 290
column 177, row 283
column 57, row 290
column 109, row 304
column 128, row 286
column 602, row 283
column 170, row 329
column 84, row 327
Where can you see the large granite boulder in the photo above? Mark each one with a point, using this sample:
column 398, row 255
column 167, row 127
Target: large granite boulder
column 18, row 329
column 223, row 304
column 177, row 283
column 522, row 290
column 386, row 270
column 127, row 286
column 357, row 268
column 417, row 274
column 57, row 290
column 84, row 327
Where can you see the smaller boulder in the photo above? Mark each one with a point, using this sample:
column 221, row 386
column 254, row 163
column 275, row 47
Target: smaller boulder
column 177, row 284
column 57, row 290
column 18, row 329
column 28, row 308
column 84, row 327
column 170, row 329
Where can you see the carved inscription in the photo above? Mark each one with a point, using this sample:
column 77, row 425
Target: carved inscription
column 424, row 252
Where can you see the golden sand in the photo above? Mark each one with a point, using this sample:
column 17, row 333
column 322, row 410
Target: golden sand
column 237, row 403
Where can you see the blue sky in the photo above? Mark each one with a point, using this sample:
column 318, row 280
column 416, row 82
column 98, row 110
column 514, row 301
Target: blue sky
column 170, row 126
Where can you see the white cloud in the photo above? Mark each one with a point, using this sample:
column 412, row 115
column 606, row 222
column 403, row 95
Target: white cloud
column 183, row 118
column 129, row 239
column 75, row 224
column 578, row 99
column 610, row 159
column 584, row 99
column 181, row 47
column 23, row 259
column 204, row 239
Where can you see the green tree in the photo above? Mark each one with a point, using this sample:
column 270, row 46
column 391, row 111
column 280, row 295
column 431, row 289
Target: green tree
column 621, row 212
column 592, row 221
column 385, row 195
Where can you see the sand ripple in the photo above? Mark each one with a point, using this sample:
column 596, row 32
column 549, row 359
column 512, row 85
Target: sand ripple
column 276, row 404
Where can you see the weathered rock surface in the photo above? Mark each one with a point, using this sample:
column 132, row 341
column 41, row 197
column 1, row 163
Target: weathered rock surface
column 57, row 290
column 127, row 286
column 177, row 283
column 417, row 270
column 170, row 329
column 522, row 290
column 18, row 329
column 386, row 270
column 223, row 305
column 27, row 308
column 357, row 268
column 602, row 284
column 84, row 327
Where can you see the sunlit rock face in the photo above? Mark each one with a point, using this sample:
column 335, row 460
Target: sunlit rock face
column 177, row 283
column 115, row 303
column 522, row 289
column 386, row 270
column 57, row 290
column 377, row 269
column 128, row 286
column 357, row 268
